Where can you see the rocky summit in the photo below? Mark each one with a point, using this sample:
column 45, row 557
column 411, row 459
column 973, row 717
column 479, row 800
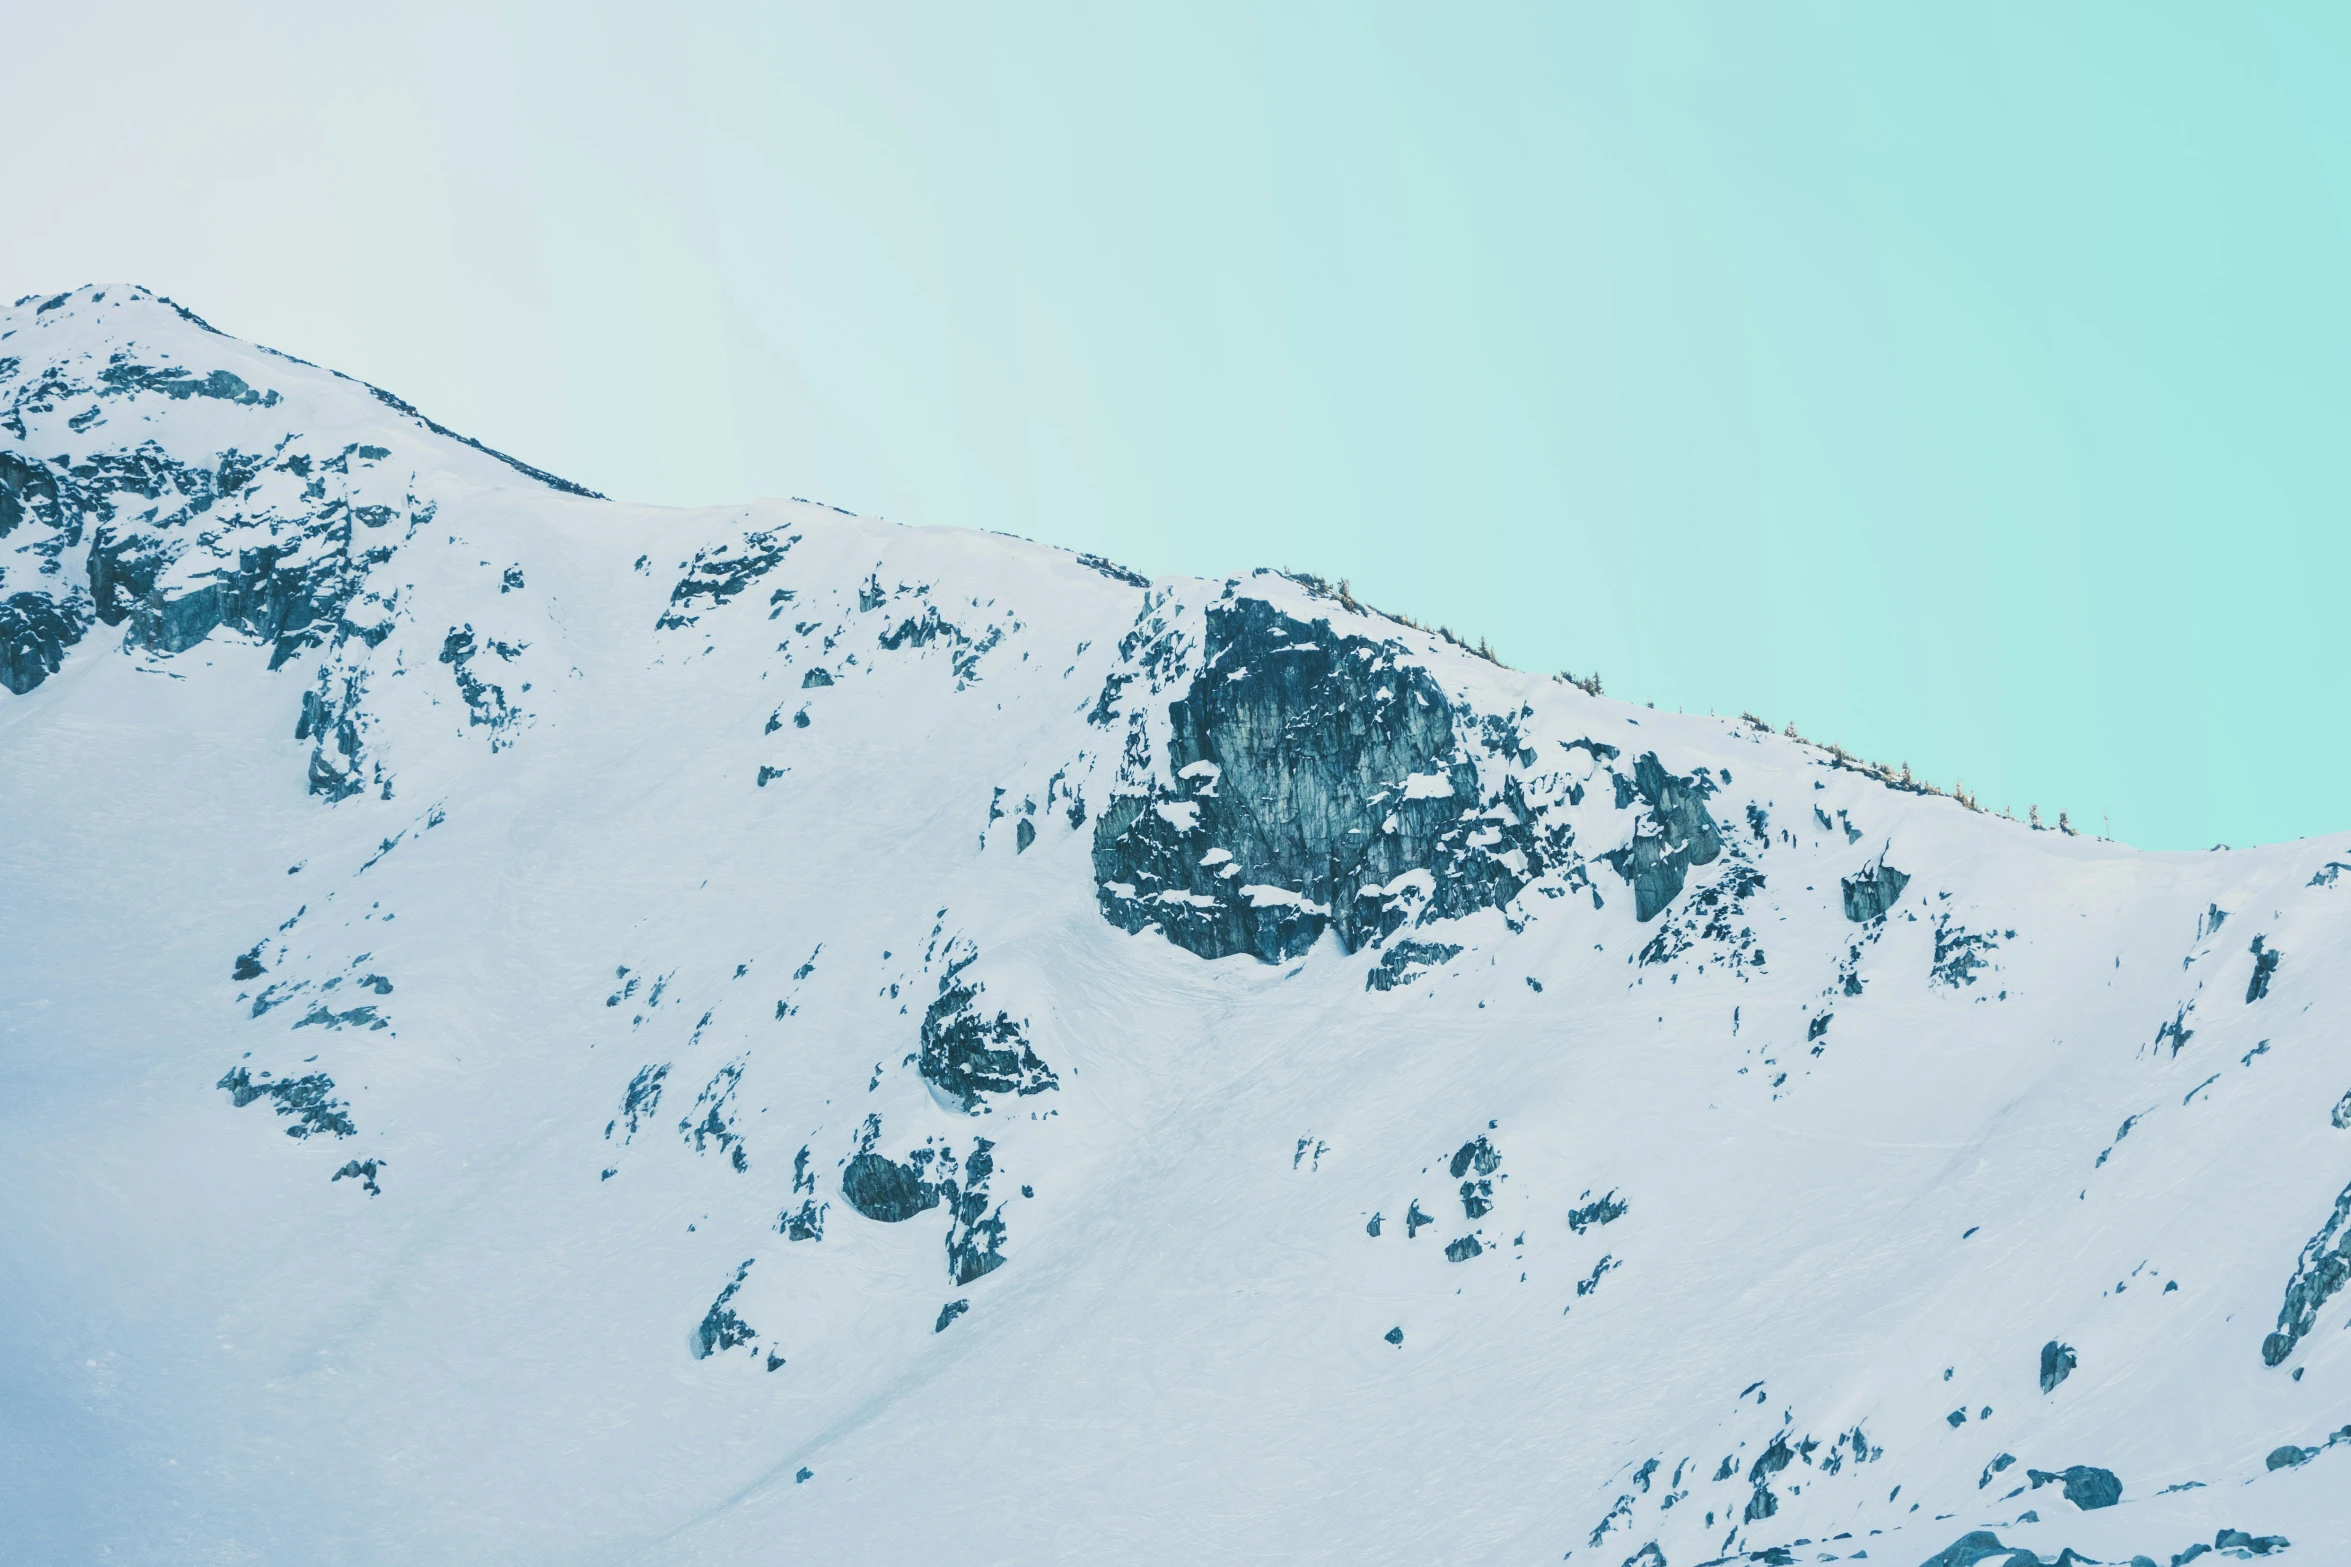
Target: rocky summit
column 538, row 1029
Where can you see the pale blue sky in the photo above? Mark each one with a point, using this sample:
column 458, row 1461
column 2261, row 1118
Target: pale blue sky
column 1967, row 384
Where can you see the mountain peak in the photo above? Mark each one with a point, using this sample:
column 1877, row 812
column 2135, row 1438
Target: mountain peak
column 161, row 473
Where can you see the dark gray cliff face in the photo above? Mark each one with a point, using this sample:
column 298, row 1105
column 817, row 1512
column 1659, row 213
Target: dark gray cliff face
column 1874, row 890
column 891, row 1192
column 35, row 631
column 2323, row 1269
column 1314, row 772
column 1679, row 833
column 2086, row 1486
column 966, row 1055
column 886, row 1191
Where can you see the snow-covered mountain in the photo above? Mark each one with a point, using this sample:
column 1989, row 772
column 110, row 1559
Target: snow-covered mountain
column 543, row 1030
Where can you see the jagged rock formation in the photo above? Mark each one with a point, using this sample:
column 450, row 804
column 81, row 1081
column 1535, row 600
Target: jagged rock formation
column 1318, row 782
column 1678, row 834
column 2321, row 1272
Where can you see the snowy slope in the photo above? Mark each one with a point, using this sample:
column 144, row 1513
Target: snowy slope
column 535, row 1029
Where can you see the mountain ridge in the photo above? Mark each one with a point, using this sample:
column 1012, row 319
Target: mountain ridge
column 861, row 1038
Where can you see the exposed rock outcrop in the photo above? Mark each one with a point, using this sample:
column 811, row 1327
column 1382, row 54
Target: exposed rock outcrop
column 1321, row 784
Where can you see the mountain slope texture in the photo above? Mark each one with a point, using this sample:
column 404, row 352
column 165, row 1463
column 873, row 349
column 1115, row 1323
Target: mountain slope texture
column 544, row 1030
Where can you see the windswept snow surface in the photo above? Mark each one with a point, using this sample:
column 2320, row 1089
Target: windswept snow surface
column 542, row 1030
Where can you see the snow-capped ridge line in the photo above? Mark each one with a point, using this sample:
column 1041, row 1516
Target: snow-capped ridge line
column 1898, row 778
column 896, row 1043
column 389, row 399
